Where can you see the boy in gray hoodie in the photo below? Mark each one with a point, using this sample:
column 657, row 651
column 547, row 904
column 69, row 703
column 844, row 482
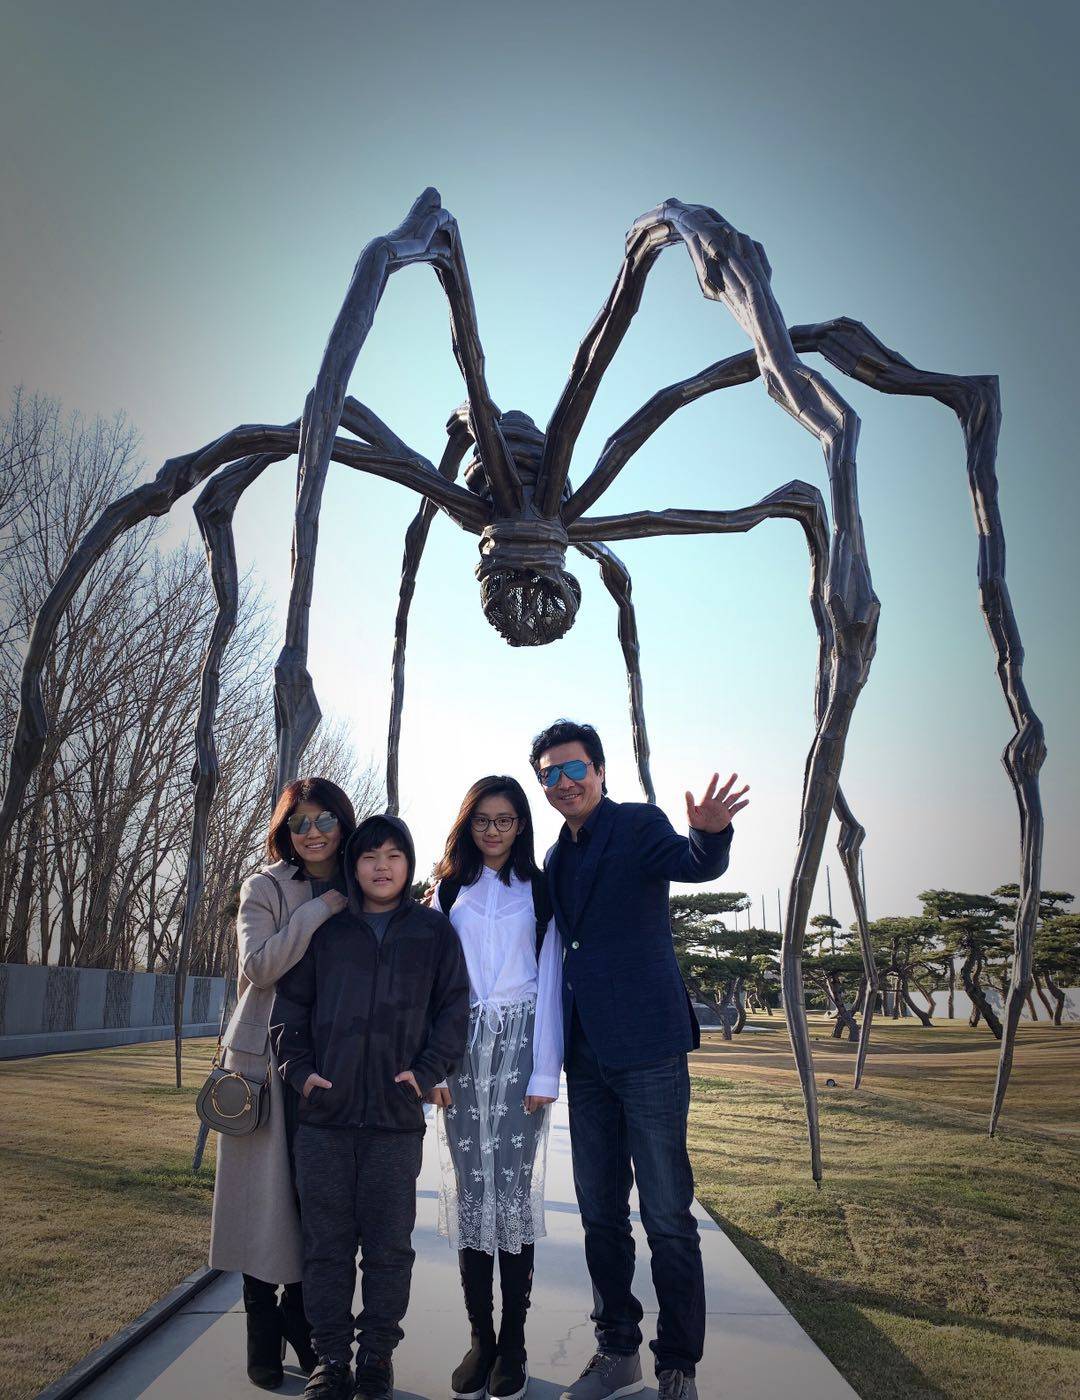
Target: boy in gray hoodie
column 371, row 1018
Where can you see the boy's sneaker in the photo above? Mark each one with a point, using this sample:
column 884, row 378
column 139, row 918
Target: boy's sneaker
column 374, row 1377
column 675, row 1385
column 607, row 1376
column 330, row 1380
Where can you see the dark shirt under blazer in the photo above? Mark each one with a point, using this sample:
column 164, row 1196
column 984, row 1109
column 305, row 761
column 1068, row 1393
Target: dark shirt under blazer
column 620, row 970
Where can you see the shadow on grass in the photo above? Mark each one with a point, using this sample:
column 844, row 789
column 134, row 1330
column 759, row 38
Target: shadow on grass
column 146, row 1183
column 869, row 1361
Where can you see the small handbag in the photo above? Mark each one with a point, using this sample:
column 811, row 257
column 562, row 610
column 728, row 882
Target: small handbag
column 229, row 1102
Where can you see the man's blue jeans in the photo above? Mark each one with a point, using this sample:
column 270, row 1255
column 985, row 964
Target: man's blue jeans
column 637, row 1116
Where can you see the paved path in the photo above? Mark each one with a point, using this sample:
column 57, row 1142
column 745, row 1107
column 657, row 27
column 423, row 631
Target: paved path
column 755, row 1349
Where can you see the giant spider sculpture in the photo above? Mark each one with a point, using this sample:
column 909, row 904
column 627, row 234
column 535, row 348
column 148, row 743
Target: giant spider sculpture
column 518, row 500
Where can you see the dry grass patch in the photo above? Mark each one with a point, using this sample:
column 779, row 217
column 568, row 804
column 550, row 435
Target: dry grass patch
column 933, row 1262
column 100, row 1212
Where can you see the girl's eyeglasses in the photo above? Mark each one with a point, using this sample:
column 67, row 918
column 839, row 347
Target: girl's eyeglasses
column 574, row 768
column 300, row 826
column 502, row 824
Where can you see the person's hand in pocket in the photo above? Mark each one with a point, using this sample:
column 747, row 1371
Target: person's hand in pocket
column 315, row 1081
column 407, row 1077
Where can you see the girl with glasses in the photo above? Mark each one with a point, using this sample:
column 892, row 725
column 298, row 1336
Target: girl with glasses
column 493, row 1124
column 256, row 1228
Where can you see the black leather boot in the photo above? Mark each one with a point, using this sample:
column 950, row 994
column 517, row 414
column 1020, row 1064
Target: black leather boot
column 469, row 1381
column 265, row 1342
column 295, row 1326
column 509, row 1377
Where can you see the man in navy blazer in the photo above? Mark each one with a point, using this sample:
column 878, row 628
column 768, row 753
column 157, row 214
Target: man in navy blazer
column 628, row 1024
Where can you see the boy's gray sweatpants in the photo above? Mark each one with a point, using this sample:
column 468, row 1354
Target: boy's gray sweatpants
column 357, row 1189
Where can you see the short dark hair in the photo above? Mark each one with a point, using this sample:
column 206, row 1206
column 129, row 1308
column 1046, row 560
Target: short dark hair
column 329, row 797
column 568, row 731
column 375, row 832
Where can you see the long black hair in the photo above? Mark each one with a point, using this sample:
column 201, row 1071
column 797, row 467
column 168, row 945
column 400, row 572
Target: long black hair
column 462, row 861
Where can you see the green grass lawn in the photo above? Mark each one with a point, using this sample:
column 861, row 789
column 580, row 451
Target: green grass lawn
column 934, row 1261
column 100, row 1213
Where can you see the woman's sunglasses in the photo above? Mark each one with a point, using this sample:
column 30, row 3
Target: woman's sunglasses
column 300, row 826
column 574, row 768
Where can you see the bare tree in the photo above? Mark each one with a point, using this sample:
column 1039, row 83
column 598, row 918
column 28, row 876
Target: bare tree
column 97, row 867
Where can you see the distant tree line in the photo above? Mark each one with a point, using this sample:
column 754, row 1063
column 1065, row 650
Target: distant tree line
column 94, row 873
column 958, row 938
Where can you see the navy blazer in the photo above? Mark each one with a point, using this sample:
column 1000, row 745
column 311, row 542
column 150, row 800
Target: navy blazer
column 619, row 967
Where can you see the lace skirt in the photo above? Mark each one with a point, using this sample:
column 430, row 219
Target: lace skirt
column 491, row 1152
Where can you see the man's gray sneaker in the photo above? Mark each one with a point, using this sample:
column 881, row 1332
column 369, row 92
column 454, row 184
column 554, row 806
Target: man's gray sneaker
column 675, row 1385
column 606, row 1376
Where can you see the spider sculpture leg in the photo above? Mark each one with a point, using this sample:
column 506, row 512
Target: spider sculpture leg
column 214, row 510
column 734, row 270
column 852, row 348
column 178, row 476
column 458, row 442
column 856, row 351
column 852, row 835
column 259, row 443
column 619, row 448
column 428, row 234
column 616, row 578
column 801, row 502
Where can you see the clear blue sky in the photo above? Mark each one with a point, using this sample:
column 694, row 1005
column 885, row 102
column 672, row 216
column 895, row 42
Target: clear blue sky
column 186, row 189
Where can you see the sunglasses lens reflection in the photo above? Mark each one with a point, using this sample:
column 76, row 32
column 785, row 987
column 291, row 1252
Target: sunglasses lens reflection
column 300, row 826
column 575, row 769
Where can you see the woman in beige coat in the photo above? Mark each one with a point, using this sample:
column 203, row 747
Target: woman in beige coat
column 256, row 1228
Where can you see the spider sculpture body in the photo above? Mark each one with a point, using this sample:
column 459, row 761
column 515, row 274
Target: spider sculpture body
column 517, row 498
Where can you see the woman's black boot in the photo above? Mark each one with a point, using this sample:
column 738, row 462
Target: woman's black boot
column 295, row 1326
column 469, row 1381
column 509, row 1377
column 265, row 1341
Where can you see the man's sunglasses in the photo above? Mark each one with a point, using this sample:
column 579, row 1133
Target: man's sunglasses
column 574, row 768
column 300, row 826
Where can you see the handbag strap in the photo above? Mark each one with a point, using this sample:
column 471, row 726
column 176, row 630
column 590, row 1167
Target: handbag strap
column 200, row 1140
column 281, row 908
column 280, row 896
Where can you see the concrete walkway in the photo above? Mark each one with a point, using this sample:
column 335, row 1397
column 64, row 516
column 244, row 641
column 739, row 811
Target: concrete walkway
column 755, row 1349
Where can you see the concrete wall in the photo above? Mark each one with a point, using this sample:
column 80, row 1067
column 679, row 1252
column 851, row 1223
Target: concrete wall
column 44, row 1010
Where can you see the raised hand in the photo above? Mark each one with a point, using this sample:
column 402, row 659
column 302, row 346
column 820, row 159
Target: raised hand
column 716, row 809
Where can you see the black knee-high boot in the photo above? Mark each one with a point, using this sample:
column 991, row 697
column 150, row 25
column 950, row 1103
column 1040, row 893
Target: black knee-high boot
column 295, row 1326
column 469, row 1381
column 265, row 1343
column 510, row 1375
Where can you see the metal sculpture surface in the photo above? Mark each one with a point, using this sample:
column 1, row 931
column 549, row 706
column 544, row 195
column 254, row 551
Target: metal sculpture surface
column 519, row 501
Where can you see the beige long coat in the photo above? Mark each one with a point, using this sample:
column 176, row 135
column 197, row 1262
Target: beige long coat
column 255, row 1227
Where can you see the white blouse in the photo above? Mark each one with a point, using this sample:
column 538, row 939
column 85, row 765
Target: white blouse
column 496, row 924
